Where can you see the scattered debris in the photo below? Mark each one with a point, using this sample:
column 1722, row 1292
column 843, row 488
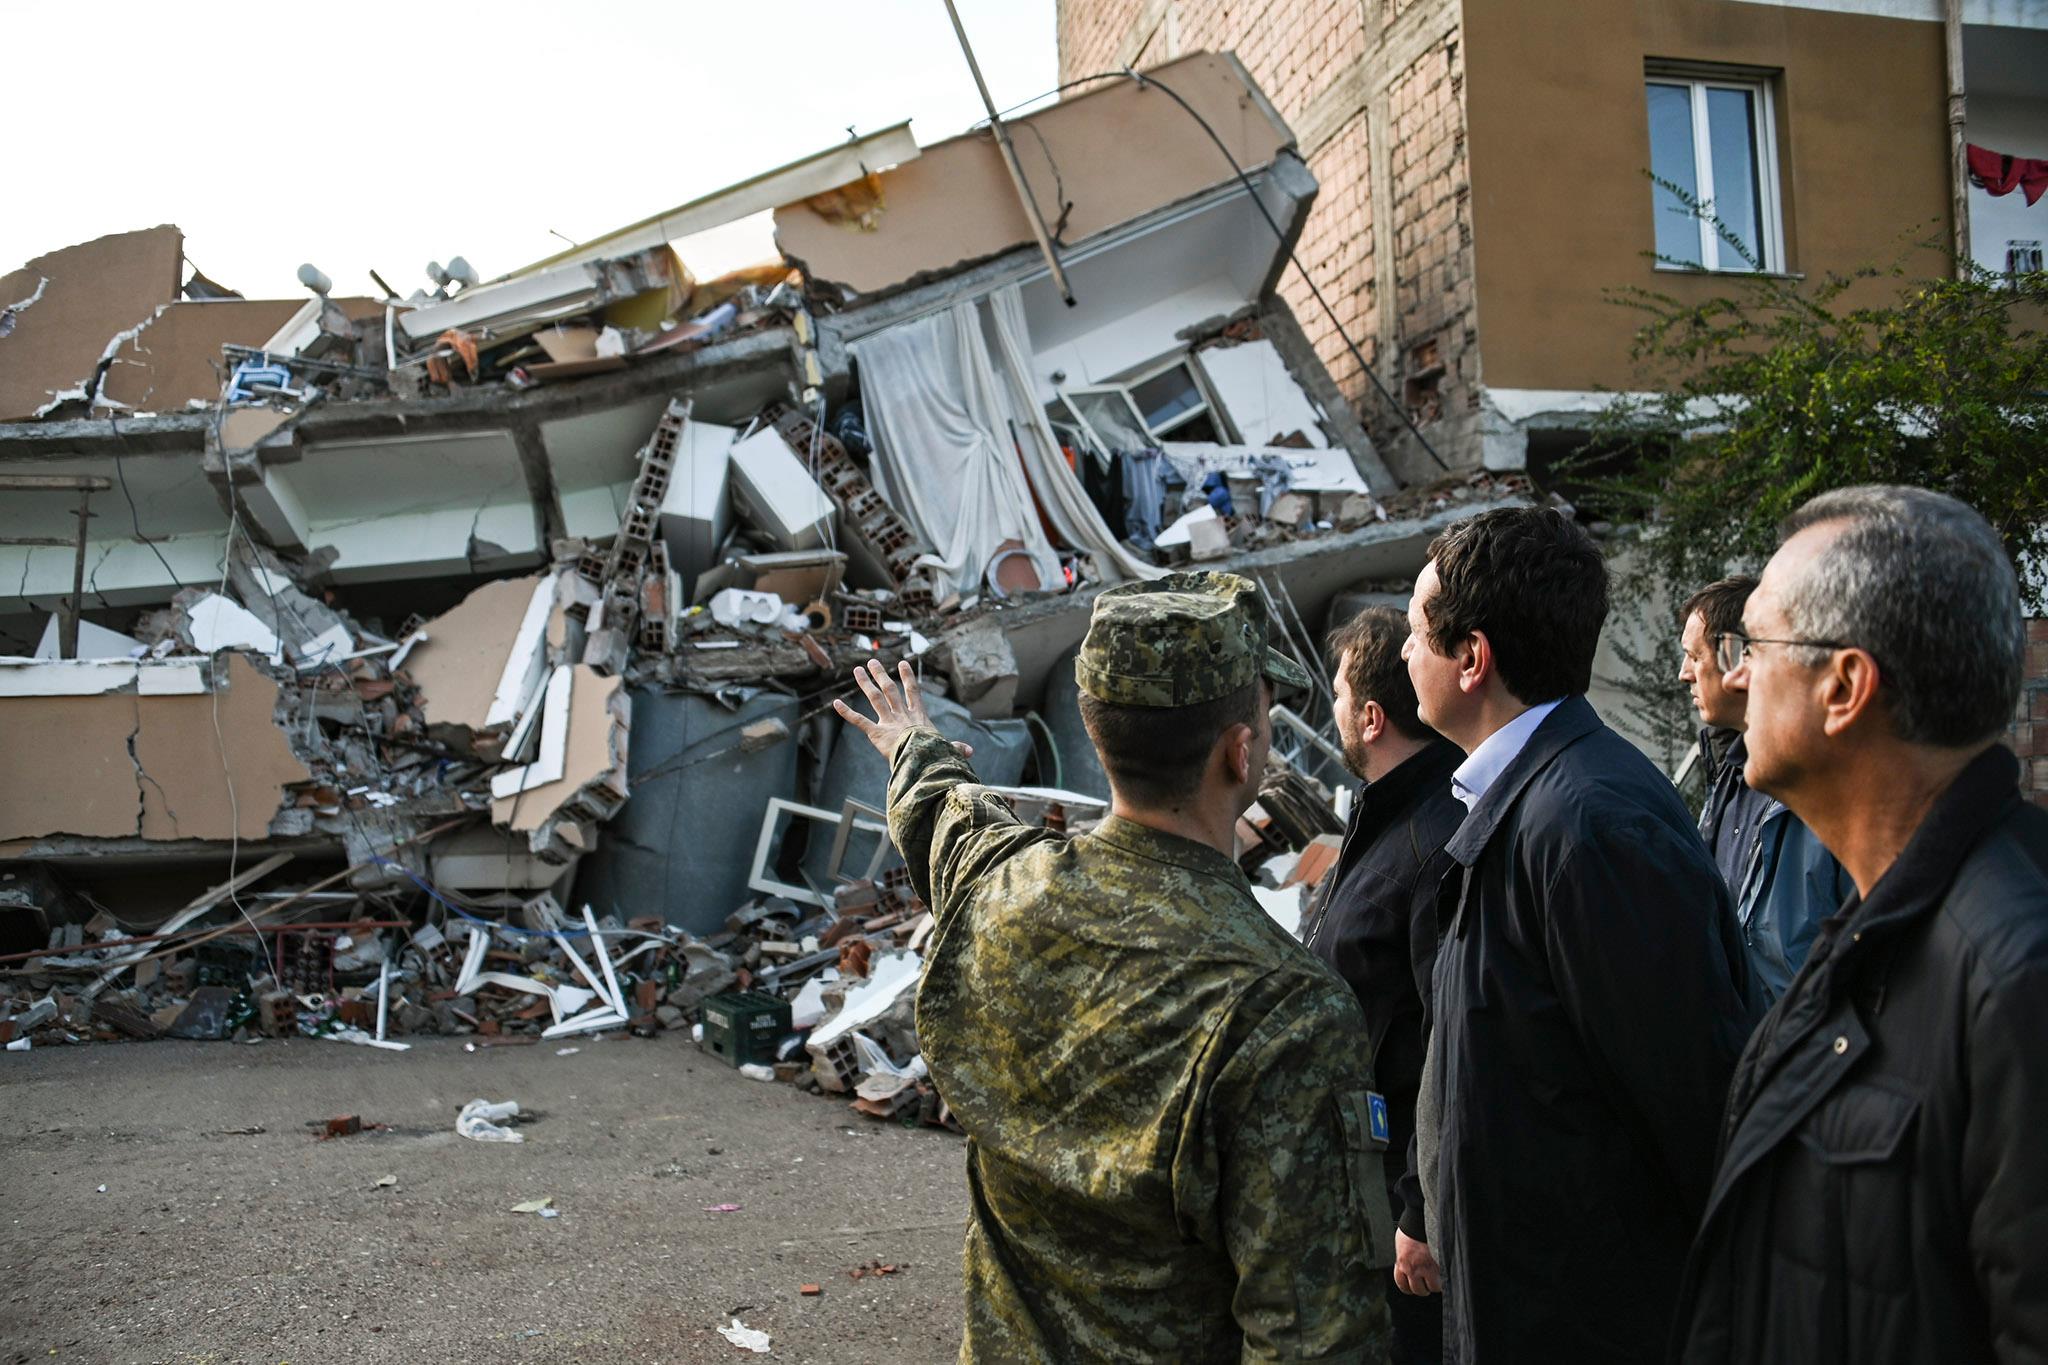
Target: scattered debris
column 811, row 1291
column 745, row 1337
column 541, row 1205
column 385, row 1182
column 482, row 1120
column 721, row 1208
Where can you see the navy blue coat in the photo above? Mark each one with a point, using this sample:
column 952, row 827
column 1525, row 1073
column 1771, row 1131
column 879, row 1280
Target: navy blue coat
column 1590, row 1000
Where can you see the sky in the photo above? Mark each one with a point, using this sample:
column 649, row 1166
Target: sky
column 373, row 135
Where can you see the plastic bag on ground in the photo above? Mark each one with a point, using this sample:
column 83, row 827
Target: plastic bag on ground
column 481, row 1119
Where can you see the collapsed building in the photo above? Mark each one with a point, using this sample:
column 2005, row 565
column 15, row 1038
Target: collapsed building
column 462, row 662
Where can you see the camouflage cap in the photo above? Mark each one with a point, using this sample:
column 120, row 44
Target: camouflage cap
column 1180, row 640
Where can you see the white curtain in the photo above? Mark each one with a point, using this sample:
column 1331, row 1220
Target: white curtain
column 943, row 454
column 1067, row 505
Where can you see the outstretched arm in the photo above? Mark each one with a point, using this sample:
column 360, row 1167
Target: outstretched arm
column 896, row 713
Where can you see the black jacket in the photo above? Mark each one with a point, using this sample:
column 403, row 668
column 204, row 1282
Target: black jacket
column 1734, row 811
column 1373, row 919
column 1883, row 1189
column 1591, row 999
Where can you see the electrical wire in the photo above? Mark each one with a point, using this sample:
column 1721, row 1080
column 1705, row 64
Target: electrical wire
column 1393, row 404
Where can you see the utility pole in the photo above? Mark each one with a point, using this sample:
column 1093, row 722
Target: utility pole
column 995, row 123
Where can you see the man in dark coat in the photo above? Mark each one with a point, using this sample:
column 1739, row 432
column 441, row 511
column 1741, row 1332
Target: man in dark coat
column 1590, row 995
column 1783, row 880
column 1373, row 919
column 1882, row 1193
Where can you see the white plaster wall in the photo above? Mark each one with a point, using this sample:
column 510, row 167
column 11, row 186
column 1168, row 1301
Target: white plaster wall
column 1131, row 339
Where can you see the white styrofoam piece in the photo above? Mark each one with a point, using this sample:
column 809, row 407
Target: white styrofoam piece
column 184, row 679
column 889, row 975
column 1178, row 533
column 1284, row 905
column 329, row 646
column 94, row 642
column 218, row 623
column 523, row 666
column 64, row 677
column 554, row 742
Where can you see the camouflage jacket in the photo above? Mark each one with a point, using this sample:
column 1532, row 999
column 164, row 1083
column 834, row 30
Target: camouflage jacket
column 1169, row 1151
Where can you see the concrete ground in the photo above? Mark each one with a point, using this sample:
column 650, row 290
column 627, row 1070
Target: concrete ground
column 137, row 1225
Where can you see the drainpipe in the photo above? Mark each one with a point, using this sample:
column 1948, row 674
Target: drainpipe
column 995, row 123
column 1958, row 161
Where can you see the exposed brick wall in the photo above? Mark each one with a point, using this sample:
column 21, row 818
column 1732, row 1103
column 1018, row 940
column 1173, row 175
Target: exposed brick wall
column 1337, row 247
column 1296, row 50
column 1439, row 357
column 2029, row 734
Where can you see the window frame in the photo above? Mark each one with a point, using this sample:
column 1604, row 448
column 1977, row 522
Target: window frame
column 1697, row 81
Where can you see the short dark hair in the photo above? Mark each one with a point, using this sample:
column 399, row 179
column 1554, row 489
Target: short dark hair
column 1154, row 755
column 1924, row 584
column 1720, row 605
column 1532, row 581
column 1368, row 648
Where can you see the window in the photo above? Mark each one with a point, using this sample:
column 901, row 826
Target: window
column 1712, row 138
column 1167, row 403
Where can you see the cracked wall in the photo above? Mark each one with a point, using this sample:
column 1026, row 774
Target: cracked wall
column 121, row 766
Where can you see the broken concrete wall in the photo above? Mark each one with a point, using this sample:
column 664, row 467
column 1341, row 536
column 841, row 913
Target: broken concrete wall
column 62, row 310
column 459, row 667
column 126, row 764
column 955, row 204
column 1375, row 96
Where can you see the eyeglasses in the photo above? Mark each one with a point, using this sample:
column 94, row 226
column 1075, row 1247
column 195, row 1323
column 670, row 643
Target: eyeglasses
column 1731, row 651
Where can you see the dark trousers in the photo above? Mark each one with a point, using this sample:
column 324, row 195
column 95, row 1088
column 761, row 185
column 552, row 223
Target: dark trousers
column 1418, row 1326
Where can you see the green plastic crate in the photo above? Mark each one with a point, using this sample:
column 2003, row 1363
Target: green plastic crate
column 744, row 1026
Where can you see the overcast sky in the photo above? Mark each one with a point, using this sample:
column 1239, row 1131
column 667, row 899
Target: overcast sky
column 372, row 134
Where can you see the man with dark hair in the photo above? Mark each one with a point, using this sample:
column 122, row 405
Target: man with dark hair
column 1589, row 997
column 1784, row 880
column 1882, row 1194
column 1171, row 1147
column 1373, row 918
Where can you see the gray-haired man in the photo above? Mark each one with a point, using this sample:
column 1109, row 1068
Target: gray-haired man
column 1882, row 1192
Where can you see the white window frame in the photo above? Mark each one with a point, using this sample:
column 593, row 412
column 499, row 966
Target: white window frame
column 1123, row 389
column 1765, row 149
column 1207, row 407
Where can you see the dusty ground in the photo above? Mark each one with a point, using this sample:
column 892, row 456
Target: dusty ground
column 277, row 1247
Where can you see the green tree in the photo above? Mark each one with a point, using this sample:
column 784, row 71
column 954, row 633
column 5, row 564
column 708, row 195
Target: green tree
column 1779, row 388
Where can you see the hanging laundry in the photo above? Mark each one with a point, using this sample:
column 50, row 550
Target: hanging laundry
column 1276, row 476
column 1217, row 489
column 1143, row 494
column 2000, row 174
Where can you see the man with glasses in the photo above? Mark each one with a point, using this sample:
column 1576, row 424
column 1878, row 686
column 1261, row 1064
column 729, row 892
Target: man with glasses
column 1783, row 880
column 1882, row 1190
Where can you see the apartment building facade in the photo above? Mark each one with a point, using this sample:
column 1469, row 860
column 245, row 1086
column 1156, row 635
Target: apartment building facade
column 1487, row 175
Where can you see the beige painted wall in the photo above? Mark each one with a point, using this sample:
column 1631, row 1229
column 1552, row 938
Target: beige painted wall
column 1560, row 139
column 1121, row 151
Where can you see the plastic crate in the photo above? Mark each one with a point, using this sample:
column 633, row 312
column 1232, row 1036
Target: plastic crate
column 744, row 1026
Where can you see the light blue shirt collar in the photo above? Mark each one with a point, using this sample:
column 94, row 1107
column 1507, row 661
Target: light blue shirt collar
column 1484, row 765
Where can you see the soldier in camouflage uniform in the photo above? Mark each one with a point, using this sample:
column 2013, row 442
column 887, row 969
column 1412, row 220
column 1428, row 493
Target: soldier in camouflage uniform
column 1171, row 1150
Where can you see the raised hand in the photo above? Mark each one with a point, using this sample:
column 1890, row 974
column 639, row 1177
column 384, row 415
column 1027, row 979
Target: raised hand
column 896, row 713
